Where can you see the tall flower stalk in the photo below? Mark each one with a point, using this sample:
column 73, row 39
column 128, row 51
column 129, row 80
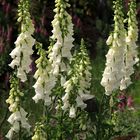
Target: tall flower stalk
column 131, row 53
column 45, row 81
column 21, row 63
column 22, row 52
column 77, row 87
column 18, row 117
column 60, row 51
column 57, row 63
column 113, row 73
column 51, row 72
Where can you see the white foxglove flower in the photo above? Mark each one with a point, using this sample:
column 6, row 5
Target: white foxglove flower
column 16, row 126
column 18, row 119
column 80, row 102
column 78, row 86
column 66, row 105
column 109, row 40
column 24, row 120
column 68, row 86
column 45, row 81
column 62, row 34
column 21, row 55
column 21, row 74
column 21, row 62
column 37, row 97
column 63, row 67
column 65, row 100
column 72, row 113
column 65, row 97
column 14, row 117
column 131, row 53
column 113, row 72
column 43, row 89
column 85, row 97
column 24, row 43
column 15, row 62
column 63, row 80
column 10, row 134
column 15, row 52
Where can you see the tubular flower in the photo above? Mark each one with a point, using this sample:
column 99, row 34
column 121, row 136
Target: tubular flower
column 45, row 81
column 18, row 117
column 131, row 54
column 113, row 73
column 77, row 87
column 23, row 50
column 62, row 38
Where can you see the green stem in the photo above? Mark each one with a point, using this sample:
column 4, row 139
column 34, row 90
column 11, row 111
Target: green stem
column 19, row 137
column 44, row 111
column 99, row 119
column 61, row 123
column 73, row 132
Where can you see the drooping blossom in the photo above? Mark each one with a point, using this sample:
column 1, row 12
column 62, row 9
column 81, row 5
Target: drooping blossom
column 22, row 52
column 59, row 54
column 62, row 31
column 44, row 81
column 113, row 73
column 77, row 87
column 131, row 53
column 21, row 63
column 18, row 119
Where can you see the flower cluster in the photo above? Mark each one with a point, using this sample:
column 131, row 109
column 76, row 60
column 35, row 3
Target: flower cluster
column 39, row 132
column 122, row 55
column 62, row 37
column 21, row 63
column 115, row 57
column 45, row 81
column 131, row 54
column 18, row 117
column 77, row 87
column 23, row 50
